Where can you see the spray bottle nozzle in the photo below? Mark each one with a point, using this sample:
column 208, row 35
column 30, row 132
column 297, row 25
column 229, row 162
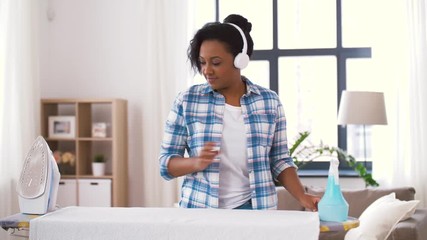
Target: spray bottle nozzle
column 333, row 170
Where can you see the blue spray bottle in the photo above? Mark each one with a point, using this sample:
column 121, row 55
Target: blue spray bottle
column 333, row 207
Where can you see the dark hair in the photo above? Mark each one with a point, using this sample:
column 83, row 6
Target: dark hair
column 222, row 32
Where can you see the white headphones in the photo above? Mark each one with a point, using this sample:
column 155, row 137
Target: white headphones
column 242, row 59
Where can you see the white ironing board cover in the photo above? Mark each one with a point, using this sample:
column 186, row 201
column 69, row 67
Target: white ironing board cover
column 173, row 224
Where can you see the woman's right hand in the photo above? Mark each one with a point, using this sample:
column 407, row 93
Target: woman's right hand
column 206, row 156
column 179, row 166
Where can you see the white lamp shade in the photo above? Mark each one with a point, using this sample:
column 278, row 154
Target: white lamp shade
column 362, row 108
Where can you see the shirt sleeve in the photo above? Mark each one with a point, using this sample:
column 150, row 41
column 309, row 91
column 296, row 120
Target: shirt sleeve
column 279, row 154
column 174, row 139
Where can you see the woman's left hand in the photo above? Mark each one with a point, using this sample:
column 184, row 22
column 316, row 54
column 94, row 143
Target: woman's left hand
column 310, row 201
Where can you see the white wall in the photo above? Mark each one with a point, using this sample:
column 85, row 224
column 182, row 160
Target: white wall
column 97, row 49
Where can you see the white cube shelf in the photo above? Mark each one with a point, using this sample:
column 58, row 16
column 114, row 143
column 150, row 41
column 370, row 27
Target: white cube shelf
column 95, row 192
column 67, row 193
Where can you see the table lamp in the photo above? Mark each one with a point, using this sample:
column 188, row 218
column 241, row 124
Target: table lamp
column 362, row 108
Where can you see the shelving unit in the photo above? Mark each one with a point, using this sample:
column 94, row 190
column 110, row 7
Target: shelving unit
column 84, row 147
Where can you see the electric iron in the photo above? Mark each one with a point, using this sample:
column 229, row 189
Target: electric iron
column 38, row 184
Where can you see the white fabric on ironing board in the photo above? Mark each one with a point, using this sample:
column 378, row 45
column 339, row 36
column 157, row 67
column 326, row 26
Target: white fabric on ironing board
column 173, row 223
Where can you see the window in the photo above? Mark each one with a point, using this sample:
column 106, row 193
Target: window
column 308, row 52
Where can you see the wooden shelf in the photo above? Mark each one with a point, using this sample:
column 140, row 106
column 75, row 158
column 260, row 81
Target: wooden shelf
column 95, row 139
column 93, row 177
column 84, row 146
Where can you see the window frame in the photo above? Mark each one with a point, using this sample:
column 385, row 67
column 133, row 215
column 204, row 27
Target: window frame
column 341, row 53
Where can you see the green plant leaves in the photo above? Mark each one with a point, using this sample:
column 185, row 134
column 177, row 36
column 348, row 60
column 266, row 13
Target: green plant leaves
column 303, row 154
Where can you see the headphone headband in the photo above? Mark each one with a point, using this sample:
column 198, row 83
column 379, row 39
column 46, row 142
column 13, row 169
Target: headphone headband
column 242, row 59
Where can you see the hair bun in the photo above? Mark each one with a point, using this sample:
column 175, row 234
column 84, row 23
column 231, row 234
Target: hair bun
column 240, row 21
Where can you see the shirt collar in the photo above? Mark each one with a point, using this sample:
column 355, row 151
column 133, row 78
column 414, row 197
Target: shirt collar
column 250, row 87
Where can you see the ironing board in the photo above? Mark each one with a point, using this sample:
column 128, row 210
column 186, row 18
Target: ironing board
column 174, row 224
column 19, row 224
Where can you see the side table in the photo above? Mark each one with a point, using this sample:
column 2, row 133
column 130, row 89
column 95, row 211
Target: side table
column 339, row 226
column 17, row 224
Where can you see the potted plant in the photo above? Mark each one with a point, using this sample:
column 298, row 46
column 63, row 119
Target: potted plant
column 98, row 165
column 303, row 153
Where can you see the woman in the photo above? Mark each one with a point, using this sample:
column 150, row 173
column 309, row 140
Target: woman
column 233, row 130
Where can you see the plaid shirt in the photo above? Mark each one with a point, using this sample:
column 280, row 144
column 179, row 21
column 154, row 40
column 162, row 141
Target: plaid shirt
column 197, row 117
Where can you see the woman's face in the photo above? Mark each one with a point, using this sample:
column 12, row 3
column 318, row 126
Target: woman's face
column 216, row 65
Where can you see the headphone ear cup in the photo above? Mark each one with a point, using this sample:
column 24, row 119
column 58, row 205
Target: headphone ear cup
column 241, row 60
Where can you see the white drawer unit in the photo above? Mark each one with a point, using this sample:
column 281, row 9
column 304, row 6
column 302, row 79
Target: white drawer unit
column 67, row 193
column 95, row 192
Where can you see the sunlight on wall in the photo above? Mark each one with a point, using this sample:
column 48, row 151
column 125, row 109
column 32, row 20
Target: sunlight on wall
column 2, row 54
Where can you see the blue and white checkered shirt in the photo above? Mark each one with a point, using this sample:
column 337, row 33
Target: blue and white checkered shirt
column 197, row 117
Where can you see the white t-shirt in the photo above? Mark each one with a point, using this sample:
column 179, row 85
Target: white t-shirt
column 234, row 189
